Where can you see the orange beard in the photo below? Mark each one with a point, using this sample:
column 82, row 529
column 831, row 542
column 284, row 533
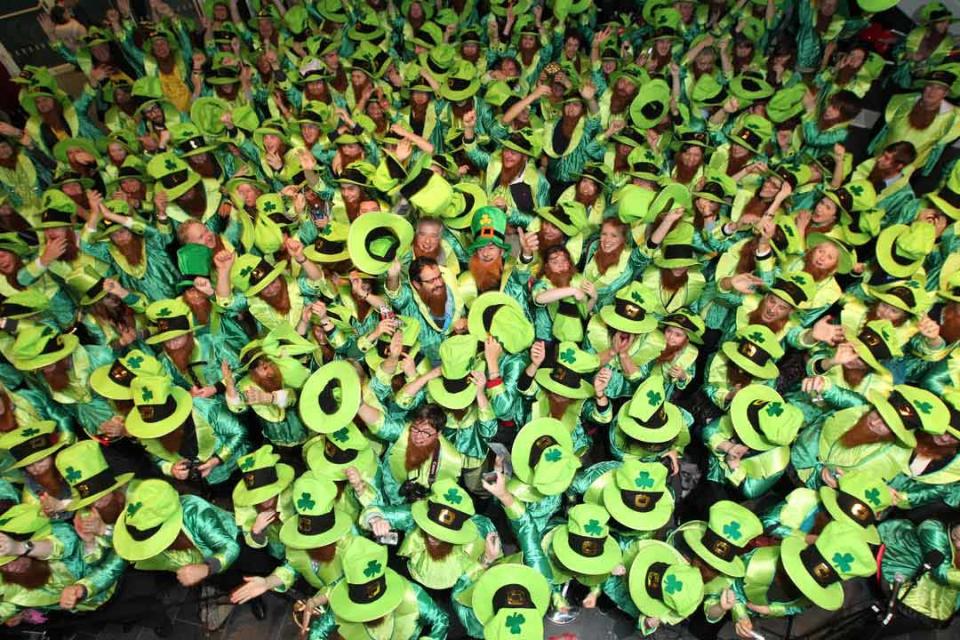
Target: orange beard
column 324, row 554
column 200, row 305
column 507, row 174
column 737, row 376
column 672, row 282
column 172, row 441
column 439, row 549
column 8, row 422
column 50, row 481
column 437, row 303
column 950, row 327
column 669, row 352
column 280, row 302
column 556, row 278
column 420, row 253
column 756, row 315
column 854, row 377
column 181, row 356
column 686, row 173
column 605, row 260
column 558, row 405
column 487, row 275
column 415, row 456
column 546, row 244
column 859, row 434
column 269, row 383
column 819, row 275
column 59, row 377
column 928, row 448
column 34, row 576
column 112, row 510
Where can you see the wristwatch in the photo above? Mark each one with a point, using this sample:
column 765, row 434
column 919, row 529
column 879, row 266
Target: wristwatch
column 27, row 548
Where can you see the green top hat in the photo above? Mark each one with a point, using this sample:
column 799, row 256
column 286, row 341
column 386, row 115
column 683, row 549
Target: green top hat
column 909, row 295
column 58, row 210
column 787, row 103
column 511, row 587
column 454, row 389
column 264, row 477
column 330, row 245
column 24, row 522
column 596, row 173
column 369, row 589
column 947, row 198
column 858, row 500
column 650, row 105
column 189, row 140
column 159, row 407
column 38, row 346
column 410, row 330
column 332, row 10
column 496, row 314
column 270, row 128
column 875, row 343
column 648, row 417
column 858, row 195
column 344, row 448
column 445, row 513
column 690, row 322
column 662, row 583
column 251, row 274
column 428, row 36
column 172, row 174
column 584, row 544
column 756, row 351
column 150, row 523
column 112, row 381
column 24, row 304
column 524, row 141
column 837, row 237
column 85, row 469
column 750, row 86
column 62, row 149
column 367, row 28
column 762, row 419
column 439, row 61
column 86, row 284
column 318, row 522
column 754, row 133
column 489, row 226
column 901, row 249
column 687, row 136
column 193, row 261
column 708, row 92
column 677, row 249
column 718, row 187
column 376, row 239
column 569, row 216
column 31, row 443
column 631, row 310
column 638, row 497
column 168, row 319
column 330, row 397
column 567, row 378
column 818, row 570
column 796, row 289
column 949, row 287
column 908, row 409
column 724, row 537
column 543, row 456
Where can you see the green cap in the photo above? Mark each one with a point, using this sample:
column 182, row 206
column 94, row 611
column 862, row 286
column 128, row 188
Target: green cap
column 569, row 216
column 24, row 522
column 489, row 226
column 650, row 105
column 676, row 250
column 638, row 497
column 32, row 442
column 499, row 315
column 648, row 417
column 112, row 381
column 797, row 288
column 901, row 249
column 876, row 343
column 330, row 397
column 169, row 319
column 376, row 239
column 38, row 346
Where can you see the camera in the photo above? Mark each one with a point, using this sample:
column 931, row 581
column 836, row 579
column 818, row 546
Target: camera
column 411, row 491
column 193, row 470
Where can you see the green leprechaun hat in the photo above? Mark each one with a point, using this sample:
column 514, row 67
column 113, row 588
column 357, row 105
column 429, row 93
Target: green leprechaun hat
column 489, row 226
column 543, row 456
column 496, row 314
column 637, row 497
column 511, row 589
column 838, row 238
column 947, row 198
column 754, row 133
column 901, row 249
column 264, row 477
column 465, row 200
column 86, row 285
column 708, row 92
column 514, row 624
column 859, row 499
column 32, row 442
column 648, row 417
column 318, row 522
column 62, row 149
column 159, row 407
column 150, row 522
column 193, row 261
column 796, row 289
column 445, row 513
column 168, row 319
column 454, row 389
column 85, row 469
column 461, row 83
column 38, row 346
column 112, row 381
column 24, row 304
column 57, row 210
column 762, row 419
column 369, row 589
column 724, row 537
column 331, row 454
column 756, row 351
column 949, row 286
column 908, row 409
column 188, row 140
column 662, row 583
column 251, row 274
column 330, row 245
column 690, row 322
column 569, row 216
column 750, row 86
column 786, row 103
column 876, row 343
column 584, row 544
column 650, row 105
column 567, row 377
column 524, row 141
column 857, row 195
column 629, row 311
column 718, row 187
column 24, row 522
column 376, row 239
column 172, row 174
column 330, row 397
column 677, row 250
column 906, row 295
column 819, row 569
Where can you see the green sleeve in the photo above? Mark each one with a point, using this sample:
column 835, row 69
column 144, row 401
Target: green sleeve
column 933, row 536
column 105, row 574
column 431, row 615
column 210, row 532
column 528, row 536
column 322, row 627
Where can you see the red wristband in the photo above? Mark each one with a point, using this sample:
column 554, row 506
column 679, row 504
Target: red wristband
column 493, row 382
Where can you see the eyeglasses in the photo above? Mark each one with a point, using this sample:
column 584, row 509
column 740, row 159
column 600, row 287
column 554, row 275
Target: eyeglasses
column 420, row 431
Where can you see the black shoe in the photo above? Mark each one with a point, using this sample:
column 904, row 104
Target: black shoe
column 259, row 608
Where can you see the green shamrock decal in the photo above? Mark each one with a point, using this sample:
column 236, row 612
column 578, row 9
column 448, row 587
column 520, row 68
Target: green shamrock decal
column 246, row 271
column 757, row 337
column 913, row 284
column 146, row 395
column 247, row 463
column 373, row 568
column 342, row 435
column 30, row 432
column 774, row 409
column 672, row 584
column 593, row 527
column 163, row 313
column 643, row 480
column 568, row 356
column 924, row 407
column 453, row 496
column 732, row 530
column 788, row 230
column 72, row 475
column 654, row 398
column 553, row 455
column 637, row 297
column 134, row 362
column 305, row 502
column 132, row 508
column 843, row 560
column 269, row 206
column 513, row 623
column 873, row 496
column 855, row 189
column 170, row 165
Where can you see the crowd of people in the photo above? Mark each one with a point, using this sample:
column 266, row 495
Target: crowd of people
column 443, row 318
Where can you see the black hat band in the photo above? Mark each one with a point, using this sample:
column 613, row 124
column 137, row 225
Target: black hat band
column 906, row 411
column 641, row 501
column 95, row 483
column 381, row 233
column 446, row 516
column 653, row 580
column 818, row 567
column 458, row 84
column 120, row 375
column 31, row 446
column 750, row 138
column 561, row 215
column 54, row 215
column 792, row 289
column 949, row 196
column 720, row 547
column 753, row 353
column 9, row 309
column 714, row 189
column 434, row 66
column 629, row 310
column 328, row 247
column 175, row 179
column 646, row 167
column 191, row 144
column 152, row 413
column 586, row 546
column 315, row 525
column 368, row 591
column 692, row 137
column 455, row 385
column 416, row 185
column 681, row 321
column 259, row 478
column 260, row 272
column 678, row 251
column 326, row 399
column 334, row 454
column 95, row 290
column 656, row 420
column 564, row 376
column 539, row 445
column 874, row 343
column 140, row 535
column 20, row 537
column 857, row 509
column 512, row 596
column 176, row 323
column 129, row 172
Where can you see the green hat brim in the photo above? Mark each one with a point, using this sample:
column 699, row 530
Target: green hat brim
column 828, row 496
column 768, row 371
column 451, row 400
column 614, row 320
column 346, row 609
column 523, row 443
column 275, row 273
column 742, row 426
column 76, row 502
column 326, row 258
column 650, row 552
column 572, row 560
column 362, row 227
column 462, row 94
column 696, row 337
column 193, row 178
column 670, row 429
column 891, row 418
column 136, row 550
column 168, row 335
column 518, row 339
column 893, row 301
column 60, row 149
column 652, row 520
column 291, row 537
column 138, row 428
column 865, row 354
column 467, row 533
column 509, row 144
column 501, row 575
column 101, row 383
column 693, row 535
column 829, row 598
column 365, row 462
column 884, row 251
column 40, row 455
column 582, row 393
column 675, row 263
column 950, row 210
column 70, row 342
column 313, row 415
column 247, row 498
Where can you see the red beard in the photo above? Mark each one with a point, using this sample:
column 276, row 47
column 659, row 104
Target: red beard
column 438, row 550
column 756, row 316
column 280, row 301
column 558, row 405
column 110, row 512
column 270, row 382
column 605, row 260
column 181, row 356
column 324, row 554
column 860, row 434
column 546, row 244
column 415, row 456
column 819, row 275
column 200, row 305
column 487, row 275
column 132, row 251
column 669, row 352
column 950, row 326
column 930, row 449
column 685, row 173
column 59, row 377
column 436, row 302
column 420, row 253
column 558, row 279
column 737, row 376
column 671, row 282
column 853, row 377
column 35, row 575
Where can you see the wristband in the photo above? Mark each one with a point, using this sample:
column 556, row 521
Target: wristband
column 493, row 382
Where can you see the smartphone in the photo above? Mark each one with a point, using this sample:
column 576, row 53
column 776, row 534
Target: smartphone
column 391, row 539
